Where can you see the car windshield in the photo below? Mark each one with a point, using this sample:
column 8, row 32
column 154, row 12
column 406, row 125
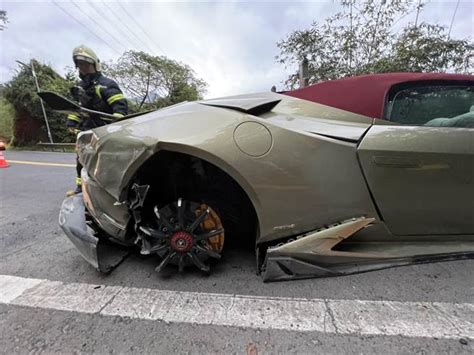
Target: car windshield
column 448, row 106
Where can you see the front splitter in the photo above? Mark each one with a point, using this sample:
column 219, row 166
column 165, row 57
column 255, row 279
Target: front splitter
column 101, row 254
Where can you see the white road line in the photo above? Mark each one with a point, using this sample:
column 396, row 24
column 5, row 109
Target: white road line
column 345, row 317
column 11, row 287
column 41, row 163
column 219, row 309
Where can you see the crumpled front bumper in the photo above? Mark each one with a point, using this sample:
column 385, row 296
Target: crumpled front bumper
column 103, row 256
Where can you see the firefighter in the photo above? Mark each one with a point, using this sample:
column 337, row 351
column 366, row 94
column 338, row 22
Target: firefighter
column 95, row 92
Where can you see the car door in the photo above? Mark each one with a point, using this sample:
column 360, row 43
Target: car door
column 419, row 162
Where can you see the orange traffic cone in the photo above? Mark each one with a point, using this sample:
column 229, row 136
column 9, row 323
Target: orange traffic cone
column 3, row 161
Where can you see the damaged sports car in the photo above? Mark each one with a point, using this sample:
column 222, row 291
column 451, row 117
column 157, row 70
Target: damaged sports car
column 341, row 177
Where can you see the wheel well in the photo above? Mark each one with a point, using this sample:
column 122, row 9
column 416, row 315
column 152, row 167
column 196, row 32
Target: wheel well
column 173, row 175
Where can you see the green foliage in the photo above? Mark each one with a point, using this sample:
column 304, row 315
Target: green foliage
column 7, row 114
column 21, row 94
column 361, row 39
column 3, row 19
column 424, row 48
column 154, row 81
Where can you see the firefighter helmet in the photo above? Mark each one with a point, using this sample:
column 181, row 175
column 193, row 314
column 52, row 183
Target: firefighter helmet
column 86, row 54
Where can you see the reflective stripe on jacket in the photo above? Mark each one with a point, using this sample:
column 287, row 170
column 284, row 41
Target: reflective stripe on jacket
column 102, row 94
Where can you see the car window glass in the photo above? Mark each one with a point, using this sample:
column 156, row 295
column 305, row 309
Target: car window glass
column 436, row 106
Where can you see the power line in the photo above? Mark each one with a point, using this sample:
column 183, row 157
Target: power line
column 130, row 30
column 119, row 28
column 452, row 20
column 140, row 27
column 449, row 32
column 87, row 28
column 98, row 24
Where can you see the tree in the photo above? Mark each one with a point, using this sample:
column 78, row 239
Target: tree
column 155, row 81
column 360, row 39
column 3, row 19
column 7, row 114
column 20, row 92
column 426, row 48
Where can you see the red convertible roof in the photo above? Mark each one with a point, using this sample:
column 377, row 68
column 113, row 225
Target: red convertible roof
column 364, row 94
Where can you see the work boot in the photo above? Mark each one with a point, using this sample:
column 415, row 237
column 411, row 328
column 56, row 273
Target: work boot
column 78, row 190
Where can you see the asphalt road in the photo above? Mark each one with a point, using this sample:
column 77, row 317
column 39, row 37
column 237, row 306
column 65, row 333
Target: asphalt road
column 33, row 247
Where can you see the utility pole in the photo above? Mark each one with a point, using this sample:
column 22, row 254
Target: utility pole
column 418, row 8
column 351, row 39
column 304, row 73
column 33, row 72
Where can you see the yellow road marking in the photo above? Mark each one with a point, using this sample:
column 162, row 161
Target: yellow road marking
column 41, row 163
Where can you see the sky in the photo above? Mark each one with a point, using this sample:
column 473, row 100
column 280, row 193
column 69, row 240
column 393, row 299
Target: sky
column 229, row 44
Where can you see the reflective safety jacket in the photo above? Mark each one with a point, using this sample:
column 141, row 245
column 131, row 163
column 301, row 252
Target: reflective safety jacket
column 100, row 94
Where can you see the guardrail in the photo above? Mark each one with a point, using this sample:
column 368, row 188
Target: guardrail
column 57, row 146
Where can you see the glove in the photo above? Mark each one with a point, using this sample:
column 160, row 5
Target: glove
column 73, row 130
